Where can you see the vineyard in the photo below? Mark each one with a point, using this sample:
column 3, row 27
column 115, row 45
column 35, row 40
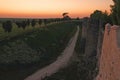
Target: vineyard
column 26, row 50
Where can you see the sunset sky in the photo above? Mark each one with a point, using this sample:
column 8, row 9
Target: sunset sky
column 51, row 8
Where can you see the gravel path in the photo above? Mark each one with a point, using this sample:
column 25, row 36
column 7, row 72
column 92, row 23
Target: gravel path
column 59, row 63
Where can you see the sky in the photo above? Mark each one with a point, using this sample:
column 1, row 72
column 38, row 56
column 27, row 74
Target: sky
column 51, row 8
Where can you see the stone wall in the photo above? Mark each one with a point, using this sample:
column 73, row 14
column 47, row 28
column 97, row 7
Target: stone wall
column 90, row 35
column 92, row 32
column 109, row 61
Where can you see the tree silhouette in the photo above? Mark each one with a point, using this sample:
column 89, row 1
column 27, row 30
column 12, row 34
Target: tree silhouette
column 115, row 12
column 97, row 14
column 7, row 26
column 18, row 24
column 33, row 23
column 28, row 22
column 100, row 16
column 23, row 24
column 45, row 21
column 65, row 16
column 40, row 21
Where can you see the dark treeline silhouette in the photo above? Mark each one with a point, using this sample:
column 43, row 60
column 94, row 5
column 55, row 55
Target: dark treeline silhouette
column 100, row 17
column 7, row 26
column 115, row 12
column 40, row 22
column 45, row 21
column 28, row 22
column 113, row 17
column 65, row 16
column 33, row 22
column 22, row 24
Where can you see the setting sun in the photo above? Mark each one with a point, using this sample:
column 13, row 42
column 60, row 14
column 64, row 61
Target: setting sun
column 51, row 8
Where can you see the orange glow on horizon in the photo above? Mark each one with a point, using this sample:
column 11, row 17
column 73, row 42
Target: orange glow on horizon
column 50, row 9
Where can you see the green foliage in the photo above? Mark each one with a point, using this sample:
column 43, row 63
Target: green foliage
column 18, row 52
column 100, row 16
column 15, row 32
column 80, row 68
column 29, row 52
column 7, row 26
column 68, row 73
column 115, row 12
column 33, row 23
column 43, row 42
column 96, row 14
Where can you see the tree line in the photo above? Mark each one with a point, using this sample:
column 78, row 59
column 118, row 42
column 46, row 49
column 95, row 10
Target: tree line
column 8, row 25
column 105, row 17
column 115, row 12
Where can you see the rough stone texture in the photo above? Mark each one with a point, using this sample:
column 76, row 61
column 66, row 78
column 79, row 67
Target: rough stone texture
column 83, row 35
column 118, row 37
column 109, row 68
column 100, row 40
column 92, row 39
column 99, row 44
column 84, row 28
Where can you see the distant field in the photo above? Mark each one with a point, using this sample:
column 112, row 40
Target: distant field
column 26, row 52
column 15, row 31
column 19, row 31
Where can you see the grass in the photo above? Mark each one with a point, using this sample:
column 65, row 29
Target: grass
column 26, row 52
column 71, row 72
column 15, row 31
column 79, row 68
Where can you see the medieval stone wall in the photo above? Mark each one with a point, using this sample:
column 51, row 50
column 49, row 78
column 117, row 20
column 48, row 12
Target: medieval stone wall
column 109, row 61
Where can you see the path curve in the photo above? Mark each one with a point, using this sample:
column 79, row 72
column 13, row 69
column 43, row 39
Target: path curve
column 59, row 63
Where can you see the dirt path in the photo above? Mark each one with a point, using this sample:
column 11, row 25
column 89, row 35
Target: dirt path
column 59, row 63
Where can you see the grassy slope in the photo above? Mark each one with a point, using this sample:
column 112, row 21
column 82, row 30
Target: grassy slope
column 71, row 72
column 78, row 69
column 46, row 43
column 15, row 32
